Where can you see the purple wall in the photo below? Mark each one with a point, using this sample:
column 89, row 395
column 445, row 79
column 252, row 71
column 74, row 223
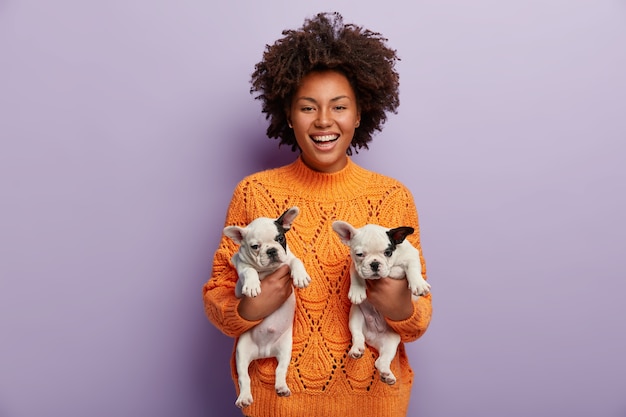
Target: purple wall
column 125, row 125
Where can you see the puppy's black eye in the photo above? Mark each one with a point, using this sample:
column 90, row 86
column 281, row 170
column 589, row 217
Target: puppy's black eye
column 360, row 254
column 388, row 253
column 254, row 247
column 280, row 239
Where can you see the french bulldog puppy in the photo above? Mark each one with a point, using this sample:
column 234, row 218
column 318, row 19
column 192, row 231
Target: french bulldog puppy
column 263, row 248
column 378, row 252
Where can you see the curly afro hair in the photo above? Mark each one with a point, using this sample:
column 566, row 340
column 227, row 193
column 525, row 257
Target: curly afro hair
column 326, row 43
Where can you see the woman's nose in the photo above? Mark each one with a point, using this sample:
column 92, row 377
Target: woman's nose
column 323, row 118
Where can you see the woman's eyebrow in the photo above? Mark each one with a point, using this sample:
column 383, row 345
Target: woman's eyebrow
column 311, row 99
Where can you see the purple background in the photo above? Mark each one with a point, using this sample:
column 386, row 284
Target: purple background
column 125, row 125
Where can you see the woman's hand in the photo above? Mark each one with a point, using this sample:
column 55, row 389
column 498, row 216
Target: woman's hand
column 391, row 297
column 275, row 289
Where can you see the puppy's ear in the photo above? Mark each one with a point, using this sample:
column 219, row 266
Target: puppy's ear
column 286, row 219
column 236, row 233
column 398, row 234
column 345, row 231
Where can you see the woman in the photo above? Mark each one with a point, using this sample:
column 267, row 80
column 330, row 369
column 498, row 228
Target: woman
column 325, row 89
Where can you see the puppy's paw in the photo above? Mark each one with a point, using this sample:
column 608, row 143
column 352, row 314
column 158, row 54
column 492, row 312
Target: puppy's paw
column 388, row 378
column 356, row 352
column 301, row 281
column 421, row 288
column 251, row 289
column 283, row 391
column 244, row 400
column 357, row 296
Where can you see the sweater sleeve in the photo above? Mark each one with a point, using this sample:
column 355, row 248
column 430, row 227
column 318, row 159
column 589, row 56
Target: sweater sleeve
column 415, row 326
column 220, row 303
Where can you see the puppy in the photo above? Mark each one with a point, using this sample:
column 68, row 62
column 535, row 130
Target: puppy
column 378, row 252
column 263, row 248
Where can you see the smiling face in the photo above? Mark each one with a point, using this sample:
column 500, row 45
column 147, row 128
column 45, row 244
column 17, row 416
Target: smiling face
column 324, row 114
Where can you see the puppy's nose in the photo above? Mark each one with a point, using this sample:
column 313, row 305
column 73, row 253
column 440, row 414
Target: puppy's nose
column 272, row 252
column 374, row 265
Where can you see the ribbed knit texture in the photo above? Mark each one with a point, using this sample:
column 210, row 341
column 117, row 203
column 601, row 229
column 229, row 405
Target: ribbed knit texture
column 324, row 381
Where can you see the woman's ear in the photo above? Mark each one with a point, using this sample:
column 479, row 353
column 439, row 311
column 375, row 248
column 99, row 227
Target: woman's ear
column 288, row 117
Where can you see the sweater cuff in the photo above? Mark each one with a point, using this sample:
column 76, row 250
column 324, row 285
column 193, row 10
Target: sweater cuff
column 225, row 315
column 234, row 322
column 414, row 327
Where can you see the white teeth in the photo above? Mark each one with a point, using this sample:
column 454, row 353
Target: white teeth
column 326, row 138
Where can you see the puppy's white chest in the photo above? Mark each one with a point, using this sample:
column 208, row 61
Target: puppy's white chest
column 374, row 323
column 267, row 333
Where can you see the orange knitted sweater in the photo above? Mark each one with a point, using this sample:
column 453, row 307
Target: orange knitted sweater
column 324, row 381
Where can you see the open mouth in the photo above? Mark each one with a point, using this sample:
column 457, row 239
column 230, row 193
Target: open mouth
column 326, row 139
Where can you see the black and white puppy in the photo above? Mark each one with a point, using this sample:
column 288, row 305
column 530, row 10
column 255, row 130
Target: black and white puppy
column 263, row 248
column 378, row 252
